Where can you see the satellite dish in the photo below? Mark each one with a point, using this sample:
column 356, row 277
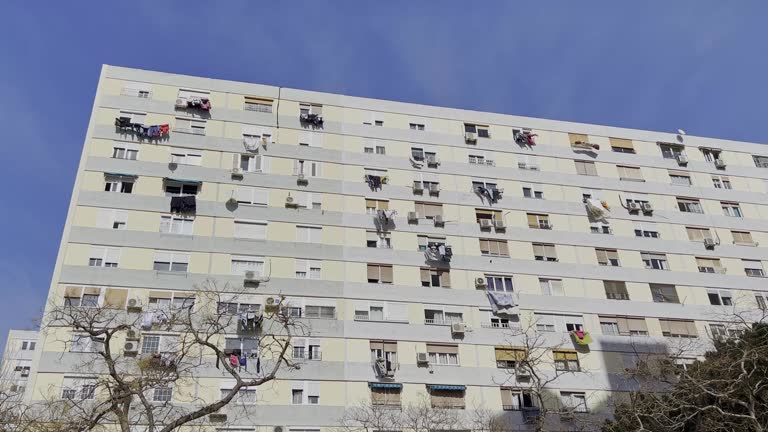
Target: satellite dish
column 681, row 132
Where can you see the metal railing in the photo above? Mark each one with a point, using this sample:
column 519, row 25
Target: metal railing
column 192, row 131
column 143, row 94
column 258, row 107
column 449, row 404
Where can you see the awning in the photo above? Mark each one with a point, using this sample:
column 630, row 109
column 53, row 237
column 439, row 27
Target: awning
column 385, row 385
column 446, row 387
column 114, row 174
column 178, row 180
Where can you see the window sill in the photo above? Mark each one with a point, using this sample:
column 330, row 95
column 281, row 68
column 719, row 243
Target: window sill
column 632, row 179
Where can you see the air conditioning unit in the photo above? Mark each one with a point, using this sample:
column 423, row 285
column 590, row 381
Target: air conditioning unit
column 413, row 216
column 251, row 276
column 458, row 328
column 434, row 188
column 181, row 103
column 499, row 224
column 418, row 187
column 682, row 159
column 131, row 347
column 438, row 220
column 522, row 373
column 291, row 201
column 647, row 207
column 422, row 358
column 132, row 334
column 133, row 304
column 709, row 242
column 719, row 163
column 301, row 178
column 633, row 206
column 486, row 223
column 237, row 172
column 278, row 429
column 271, row 304
column 470, row 137
column 480, row 283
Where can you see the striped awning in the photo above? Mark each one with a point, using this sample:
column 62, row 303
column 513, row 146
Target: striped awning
column 446, row 387
column 178, row 180
column 385, row 385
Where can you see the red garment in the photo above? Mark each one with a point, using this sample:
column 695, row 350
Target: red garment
column 164, row 129
column 234, row 361
column 531, row 141
column 580, row 334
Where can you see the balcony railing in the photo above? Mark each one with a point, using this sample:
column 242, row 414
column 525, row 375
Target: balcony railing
column 460, row 404
column 143, row 94
column 192, row 131
column 317, row 355
column 258, row 107
column 440, row 321
column 387, row 405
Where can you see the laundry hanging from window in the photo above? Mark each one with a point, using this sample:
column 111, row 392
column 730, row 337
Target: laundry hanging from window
column 126, row 124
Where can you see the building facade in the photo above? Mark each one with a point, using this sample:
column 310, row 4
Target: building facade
column 412, row 240
column 17, row 362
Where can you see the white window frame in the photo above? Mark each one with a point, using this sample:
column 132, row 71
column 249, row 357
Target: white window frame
column 548, row 288
column 186, row 157
column 116, row 183
column 174, row 258
column 239, row 264
column 309, row 389
column 109, row 256
column 307, row 168
column 308, row 269
column 112, row 219
column 253, row 163
column 177, row 224
column 251, row 193
column 135, row 89
column 189, row 125
column 134, row 116
column 129, row 151
column 309, row 234
column 83, row 343
column 262, row 224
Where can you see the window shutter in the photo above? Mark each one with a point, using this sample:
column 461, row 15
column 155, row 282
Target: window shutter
column 398, row 311
column 621, row 143
column 97, row 252
column 572, row 137
column 115, row 298
column 73, row 291
column 637, row 324
column 313, row 389
column 92, row 290
column 533, row 220
column 113, row 255
column 104, row 218
column 485, row 248
column 373, row 271
column 181, row 258
column 386, row 274
column 503, row 247
column 236, row 160
column 425, row 277
column 538, row 249
column 445, row 279
column 444, row 349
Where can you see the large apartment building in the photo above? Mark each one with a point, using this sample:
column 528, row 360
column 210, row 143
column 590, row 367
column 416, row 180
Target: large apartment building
column 413, row 241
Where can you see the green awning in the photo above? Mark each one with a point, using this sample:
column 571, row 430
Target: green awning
column 446, row 387
column 385, row 385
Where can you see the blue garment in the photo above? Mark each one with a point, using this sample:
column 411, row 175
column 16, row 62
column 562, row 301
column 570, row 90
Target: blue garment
column 243, row 360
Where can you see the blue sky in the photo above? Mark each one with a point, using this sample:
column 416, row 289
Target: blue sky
column 662, row 65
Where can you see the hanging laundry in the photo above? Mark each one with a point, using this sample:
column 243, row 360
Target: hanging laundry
column 164, row 129
column 258, row 364
column 243, row 361
column 374, row 182
column 147, row 319
column 501, row 302
column 205, row 104
column 581, row 337
column 495, row 195
column 233, row 360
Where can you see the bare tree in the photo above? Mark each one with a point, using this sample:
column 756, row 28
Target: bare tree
column 122, row 385
column 416, row 417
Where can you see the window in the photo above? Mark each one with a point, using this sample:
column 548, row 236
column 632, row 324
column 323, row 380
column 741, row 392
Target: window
column 307, row 349
column 379, row 273
column 125, row 152
column 167, row 302
column 28, row 345
column 608, row 257
column 305, row 108
column 180, row 188
column 538, row 221
column 664, row 293
column 248, row 162
column 443, row 354
column 480, row 131
column 381, row 240
column 623, row 326
column 435, row 278
column 306, row 168
column 388, row 397
column 373, row 146
column 429, row 242
column 698, row 234
column 172, row 224
column 190, row 126
column 620, row 145
column 760, row 161
column 475, row 159
column 680, row 178
column 491, row 215
column 171, row 261
column 720, row 297
column 112, row 219
column 566, row 361
column 731, row 209
column 629, row 173
column 308, row 269
column 452, row 398
column 576, row 402
column 491, row 247
column 753, row 268
column 616, row 290
column 498, row 283
column 671, row 151
column 654, row 261
column 119, row 183
column 600, row 228
column 78, row 388
column 416, row 126
column 429, row 210
column 86, row 344
column 232, row 308
column 645, row 231
column 721, row 332
column 678, row 328
column 530, row 191
column 257, row 104
column 244, row 396
column 308, row 234
column 372, row 206
column 711, row 154
column 688, row 205
column 87, row 297
column 254, row 230
column 501, row 321
column 251, row 195
column 551, row 287
column 297, row 396
column 104, row 257
column 133, row 116
column 241, row 264
column 320, row 312
column 517, row 400
column 23, row 371
column 162, row 394
column 586, row 168
column 185, row 158
column 709, row 265
column 742, row 237
column 762, row 301
column 509, row 357
column 544, row 252
column 139, row 90
column 721, row 182
column 440, row 317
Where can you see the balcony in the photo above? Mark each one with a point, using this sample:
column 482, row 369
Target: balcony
column 191, row 131
column 308, row 355
column 443, row 404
